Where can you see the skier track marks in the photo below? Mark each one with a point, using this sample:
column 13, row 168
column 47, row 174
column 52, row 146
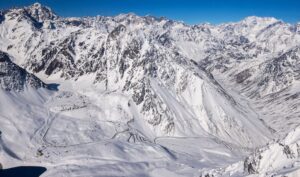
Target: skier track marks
column 7, row 150
column 42, row 130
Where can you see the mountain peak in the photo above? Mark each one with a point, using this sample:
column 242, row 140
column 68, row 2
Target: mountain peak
column 37, row 5
column 40, row 12
column 256, row 20
column 126, row 16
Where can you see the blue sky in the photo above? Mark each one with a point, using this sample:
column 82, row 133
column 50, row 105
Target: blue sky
column 189, row 11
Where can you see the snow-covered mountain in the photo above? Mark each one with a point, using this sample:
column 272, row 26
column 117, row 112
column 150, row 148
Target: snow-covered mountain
column 144, row 95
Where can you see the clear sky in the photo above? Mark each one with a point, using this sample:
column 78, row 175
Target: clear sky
column 189, row 11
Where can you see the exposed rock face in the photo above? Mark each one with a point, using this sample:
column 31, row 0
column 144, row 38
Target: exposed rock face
column 1, row 17
column 12, row 77
column 243, row 76
column 251, row 165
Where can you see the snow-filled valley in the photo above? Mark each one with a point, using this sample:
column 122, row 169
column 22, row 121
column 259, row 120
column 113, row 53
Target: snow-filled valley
column 147, row 96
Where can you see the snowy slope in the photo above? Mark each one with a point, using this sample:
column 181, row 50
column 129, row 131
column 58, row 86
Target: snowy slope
column 143, row 96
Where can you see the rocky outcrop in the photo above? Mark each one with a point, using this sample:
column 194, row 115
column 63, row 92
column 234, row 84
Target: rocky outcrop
column 2, row 18
column 13, row 77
